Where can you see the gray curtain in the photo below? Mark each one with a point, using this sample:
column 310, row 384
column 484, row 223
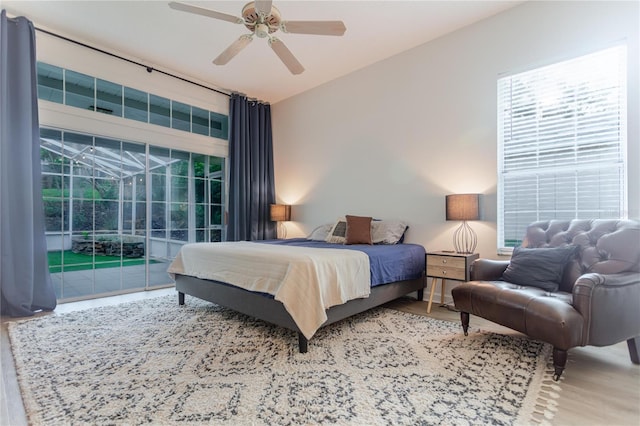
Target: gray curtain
column 251, row 182
column 25, row 282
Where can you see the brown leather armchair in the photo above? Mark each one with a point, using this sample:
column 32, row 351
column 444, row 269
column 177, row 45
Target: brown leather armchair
column 597, row 301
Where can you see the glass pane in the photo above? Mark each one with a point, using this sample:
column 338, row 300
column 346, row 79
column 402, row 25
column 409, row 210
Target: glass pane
column 83, row 188
column 158, row 188
column 108, row 189
column 198, row 162
column 80, row 90
column 219, row 125
column 216, row 235
column 53, row 186
column 134, row 159
column 216, row 215
column 82, row 215
column 179, row 218
column 136, row 105
column 179, row 163
column 181, row 116
column 201, row 214
column 159, row 158
column 141, row 217
column 216, row 192
column 216, row 167
column 83, row 245
column 78, row 139
column 106, row 216
column 50, row 83
column 158, row 216
column 53, row 214
column 76, row 147
column 179, row 190
column 141, row 187
column 199, row 190
column 160, row 111
column 51, row 159
column 109, row 98
column 127, row 218
column 200, row 236
column 127, row 188
column 200, row 121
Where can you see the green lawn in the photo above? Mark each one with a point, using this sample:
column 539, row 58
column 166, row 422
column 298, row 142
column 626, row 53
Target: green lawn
column 79, row 262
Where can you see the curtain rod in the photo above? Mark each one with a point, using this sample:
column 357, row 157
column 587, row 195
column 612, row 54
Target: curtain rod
column 148, row 68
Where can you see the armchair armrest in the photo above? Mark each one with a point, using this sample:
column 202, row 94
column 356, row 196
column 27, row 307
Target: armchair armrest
column 487, row 269
column 609, row 306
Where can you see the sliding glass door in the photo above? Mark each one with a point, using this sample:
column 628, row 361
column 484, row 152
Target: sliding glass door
column 117, row 212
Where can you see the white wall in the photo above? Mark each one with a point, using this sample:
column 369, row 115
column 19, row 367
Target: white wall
column 391, row 140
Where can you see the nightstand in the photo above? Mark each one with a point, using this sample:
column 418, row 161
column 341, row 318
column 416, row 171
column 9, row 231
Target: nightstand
column 447, row 266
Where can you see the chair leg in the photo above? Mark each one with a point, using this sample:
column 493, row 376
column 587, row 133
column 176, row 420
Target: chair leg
column 464, row 317
column 634, row 349
column 559, row 361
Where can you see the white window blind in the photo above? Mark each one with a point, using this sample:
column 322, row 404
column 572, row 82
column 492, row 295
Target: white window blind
column 562, row 143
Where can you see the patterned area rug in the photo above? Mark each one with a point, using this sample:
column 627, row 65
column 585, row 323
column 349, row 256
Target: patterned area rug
column 155, row 362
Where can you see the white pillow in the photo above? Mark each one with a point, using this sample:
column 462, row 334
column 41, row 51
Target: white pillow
column 338, row 232
column 387, row 231
column 320, row 233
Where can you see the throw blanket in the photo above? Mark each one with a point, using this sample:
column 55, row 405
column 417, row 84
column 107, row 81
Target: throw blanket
column 306, row 280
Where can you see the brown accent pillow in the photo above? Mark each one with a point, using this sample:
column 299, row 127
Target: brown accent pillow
column 358, row 230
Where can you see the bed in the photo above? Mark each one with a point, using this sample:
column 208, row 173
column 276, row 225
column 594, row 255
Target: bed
column 390, row 272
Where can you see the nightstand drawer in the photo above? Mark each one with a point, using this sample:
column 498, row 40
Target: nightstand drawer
column 448, row 272
column 446, row 265
column 446, row 261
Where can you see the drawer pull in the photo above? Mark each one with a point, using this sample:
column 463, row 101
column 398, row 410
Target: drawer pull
column 444, row 272
column 444, row 261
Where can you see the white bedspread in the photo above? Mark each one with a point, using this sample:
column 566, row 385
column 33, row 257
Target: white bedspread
column 306, row 280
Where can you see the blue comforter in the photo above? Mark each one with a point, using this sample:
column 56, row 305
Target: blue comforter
column 389, row 263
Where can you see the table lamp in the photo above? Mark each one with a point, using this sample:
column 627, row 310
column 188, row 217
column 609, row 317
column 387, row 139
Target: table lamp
column 463, row 207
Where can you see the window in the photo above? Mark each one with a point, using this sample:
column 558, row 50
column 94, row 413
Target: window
column 72, row 88
column 562, row 143
column 98, row 216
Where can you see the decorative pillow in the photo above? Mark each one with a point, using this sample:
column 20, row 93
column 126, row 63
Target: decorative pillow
column 338, row 232
column 320, row 233
column 358, row 230
column 538, row 267
column 387, row 231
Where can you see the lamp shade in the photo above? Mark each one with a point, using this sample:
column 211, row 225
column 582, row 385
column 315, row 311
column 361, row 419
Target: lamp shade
column 280, row 212
column 463, row 207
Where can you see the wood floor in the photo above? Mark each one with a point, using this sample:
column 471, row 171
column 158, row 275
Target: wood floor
column 600, row 386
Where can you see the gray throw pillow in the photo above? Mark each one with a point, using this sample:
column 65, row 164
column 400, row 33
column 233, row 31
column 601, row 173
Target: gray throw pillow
column 538, row 267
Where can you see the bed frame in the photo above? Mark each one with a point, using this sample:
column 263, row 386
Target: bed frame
column 270, row 310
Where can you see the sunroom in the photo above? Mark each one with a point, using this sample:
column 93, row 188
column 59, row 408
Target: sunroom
column 116, row 212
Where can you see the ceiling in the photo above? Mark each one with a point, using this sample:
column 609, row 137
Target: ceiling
column 158, row 36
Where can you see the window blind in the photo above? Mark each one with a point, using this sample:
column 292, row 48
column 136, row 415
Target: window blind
column 562, row 143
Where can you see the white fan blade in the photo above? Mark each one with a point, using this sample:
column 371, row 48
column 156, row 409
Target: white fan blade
column 286, row 56
column 334, row 28
column 233, row 50
column 263, row 7
column 205, row 12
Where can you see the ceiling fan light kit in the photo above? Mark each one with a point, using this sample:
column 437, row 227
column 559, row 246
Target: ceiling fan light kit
column 263, row 19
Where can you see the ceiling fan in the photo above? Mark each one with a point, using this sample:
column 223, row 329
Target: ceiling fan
column 263, row 19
